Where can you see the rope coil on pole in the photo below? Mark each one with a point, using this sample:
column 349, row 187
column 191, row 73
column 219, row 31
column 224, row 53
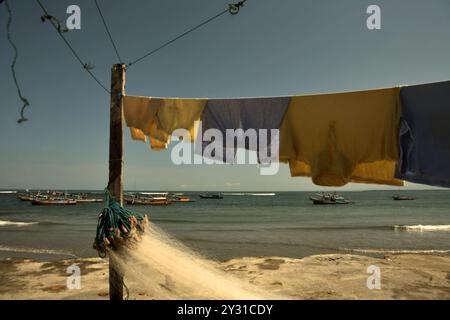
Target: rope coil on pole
column 54, row 20
column 234, row 8
column 117, row 226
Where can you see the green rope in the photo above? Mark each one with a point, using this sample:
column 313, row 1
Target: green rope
column 116, row 225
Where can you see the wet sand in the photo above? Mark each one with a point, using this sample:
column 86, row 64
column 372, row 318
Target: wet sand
column 336, row 276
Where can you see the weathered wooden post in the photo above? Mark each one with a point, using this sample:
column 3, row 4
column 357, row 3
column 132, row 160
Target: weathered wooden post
column 115, row 184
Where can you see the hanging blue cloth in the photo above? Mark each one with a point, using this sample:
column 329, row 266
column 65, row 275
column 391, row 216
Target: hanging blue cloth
column 245, row 114
column 425, row 134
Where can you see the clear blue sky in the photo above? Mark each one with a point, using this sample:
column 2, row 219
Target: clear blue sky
column 270, row 48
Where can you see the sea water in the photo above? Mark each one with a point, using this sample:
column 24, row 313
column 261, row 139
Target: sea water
column 241, row 224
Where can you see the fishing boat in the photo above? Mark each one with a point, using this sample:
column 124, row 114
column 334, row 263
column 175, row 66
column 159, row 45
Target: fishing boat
column 155, row 201
column 31, row 196
column 25, row 197
column 154, row 194
column 57, row 202
column 328, row 199
column 211, row 196
column 402, row 197
column 182, row 199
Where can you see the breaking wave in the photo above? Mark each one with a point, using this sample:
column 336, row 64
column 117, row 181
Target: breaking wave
column 423, row 228
column 37, row 251
column 382, row 251
column 16, row 223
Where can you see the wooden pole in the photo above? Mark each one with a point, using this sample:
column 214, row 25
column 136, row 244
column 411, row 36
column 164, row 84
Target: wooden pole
column 115, row 184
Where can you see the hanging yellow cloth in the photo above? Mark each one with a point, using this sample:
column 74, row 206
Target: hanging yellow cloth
column 339, row 138
column 157, row 118
column 137, row 134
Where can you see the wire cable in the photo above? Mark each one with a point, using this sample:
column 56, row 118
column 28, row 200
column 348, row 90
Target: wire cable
column 13, row 64
column 85, row 66
column 232, row 9
column 107, row 31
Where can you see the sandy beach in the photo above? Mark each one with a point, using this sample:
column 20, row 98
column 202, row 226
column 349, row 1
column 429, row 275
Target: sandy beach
column 336, row 276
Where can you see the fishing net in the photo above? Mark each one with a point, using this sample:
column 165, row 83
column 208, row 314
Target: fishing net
column 118, row 226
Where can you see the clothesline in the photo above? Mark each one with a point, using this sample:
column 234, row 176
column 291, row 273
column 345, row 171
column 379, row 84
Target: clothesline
column 366, row 136
column 291, row 95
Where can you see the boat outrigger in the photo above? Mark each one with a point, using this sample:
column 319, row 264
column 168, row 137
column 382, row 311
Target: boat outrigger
column 58, row 202
column 329, row 199
column 89, row 200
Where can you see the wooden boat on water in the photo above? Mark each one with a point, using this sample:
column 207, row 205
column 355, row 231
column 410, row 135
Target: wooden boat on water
column 211, row 196
column 329, row 199
column 154, row 194
column 399, row 197
column 32, row 196
column 55, row 202
column 24, row 197
column 156, row 201
column 182, row 199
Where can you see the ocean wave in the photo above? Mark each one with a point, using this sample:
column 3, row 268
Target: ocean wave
column 37, row 251
column 329, row 228
column 423, row 228
column 248, row 242
column 412, row 228
column 406, row 251
column 16, row 223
